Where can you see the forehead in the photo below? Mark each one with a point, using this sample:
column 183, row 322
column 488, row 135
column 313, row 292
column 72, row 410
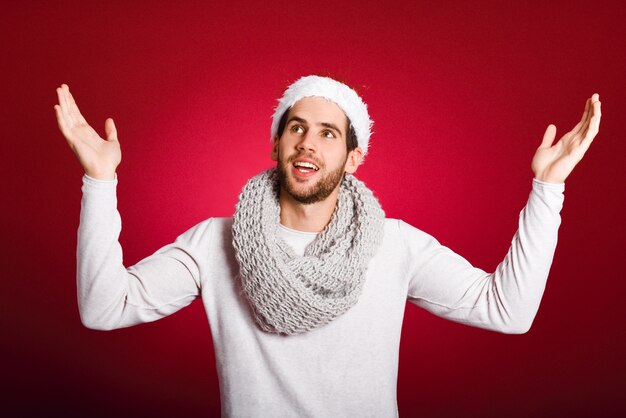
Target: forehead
column 317, row 110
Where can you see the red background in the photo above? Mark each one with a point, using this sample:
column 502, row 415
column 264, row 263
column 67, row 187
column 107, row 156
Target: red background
column 461, row 93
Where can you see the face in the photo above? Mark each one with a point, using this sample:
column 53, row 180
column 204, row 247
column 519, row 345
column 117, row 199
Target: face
column 311, row 154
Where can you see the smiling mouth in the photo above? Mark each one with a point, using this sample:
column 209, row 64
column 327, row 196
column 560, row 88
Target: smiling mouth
column 305, row 167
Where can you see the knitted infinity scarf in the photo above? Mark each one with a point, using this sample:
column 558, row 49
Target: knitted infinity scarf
column 291, row 294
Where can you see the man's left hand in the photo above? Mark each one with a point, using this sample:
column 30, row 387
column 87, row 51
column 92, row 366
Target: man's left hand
column 553, row 163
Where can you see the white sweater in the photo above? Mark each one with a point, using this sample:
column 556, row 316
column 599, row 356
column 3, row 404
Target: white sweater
column 347, row 368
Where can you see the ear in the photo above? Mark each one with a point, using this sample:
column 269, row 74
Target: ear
column 355, row 158
column 274, row 154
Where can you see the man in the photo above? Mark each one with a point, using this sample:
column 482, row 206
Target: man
column 305, row 288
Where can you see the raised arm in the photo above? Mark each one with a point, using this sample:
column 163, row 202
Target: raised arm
column 506, row 300
column 110, row 295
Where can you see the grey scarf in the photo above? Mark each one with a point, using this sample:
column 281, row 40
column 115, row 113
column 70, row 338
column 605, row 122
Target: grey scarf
column 291, row 294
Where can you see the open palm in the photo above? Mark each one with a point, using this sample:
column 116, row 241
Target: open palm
column 553, row 163
column 99, row 157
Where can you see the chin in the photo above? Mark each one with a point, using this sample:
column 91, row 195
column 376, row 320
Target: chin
column 309, row 194
column 325, row 184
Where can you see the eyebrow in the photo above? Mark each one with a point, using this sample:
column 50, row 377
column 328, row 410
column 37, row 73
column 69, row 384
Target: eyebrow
column 324, row 124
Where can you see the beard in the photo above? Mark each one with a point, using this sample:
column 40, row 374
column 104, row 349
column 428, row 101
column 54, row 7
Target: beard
column 315, row 192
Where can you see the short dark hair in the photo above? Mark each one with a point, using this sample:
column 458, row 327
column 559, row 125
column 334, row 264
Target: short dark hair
column 351, row 139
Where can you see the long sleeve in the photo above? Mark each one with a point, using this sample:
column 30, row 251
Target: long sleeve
column 111, row 296
column 506, row 300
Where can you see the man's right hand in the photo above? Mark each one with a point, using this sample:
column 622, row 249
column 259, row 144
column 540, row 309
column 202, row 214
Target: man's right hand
column 99, row 157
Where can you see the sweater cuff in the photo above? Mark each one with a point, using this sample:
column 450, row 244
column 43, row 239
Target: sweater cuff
column 542, row 185
column 101, row 184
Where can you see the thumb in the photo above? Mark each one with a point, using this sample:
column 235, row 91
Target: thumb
column 110, row 130
column 548, row 137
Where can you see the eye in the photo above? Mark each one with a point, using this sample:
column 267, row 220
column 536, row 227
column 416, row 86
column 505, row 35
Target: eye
column 328, row 134
column 298, row 129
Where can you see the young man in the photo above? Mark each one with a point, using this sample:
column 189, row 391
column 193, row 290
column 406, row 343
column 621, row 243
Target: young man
column 305, row 288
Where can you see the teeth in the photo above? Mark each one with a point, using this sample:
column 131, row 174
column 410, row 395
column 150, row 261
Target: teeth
column 305, row 165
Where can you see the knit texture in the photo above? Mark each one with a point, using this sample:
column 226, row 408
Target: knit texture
column 290, row 294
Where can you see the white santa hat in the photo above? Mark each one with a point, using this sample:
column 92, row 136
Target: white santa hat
column 346, row 98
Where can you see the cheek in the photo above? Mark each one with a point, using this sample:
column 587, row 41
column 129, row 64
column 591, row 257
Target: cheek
column 279, row 146
column 337, row 155
column 286, row 143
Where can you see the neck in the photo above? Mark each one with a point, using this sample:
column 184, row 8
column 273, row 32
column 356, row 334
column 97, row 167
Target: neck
column 306, row 218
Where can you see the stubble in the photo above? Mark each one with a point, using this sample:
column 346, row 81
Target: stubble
column 314, row 193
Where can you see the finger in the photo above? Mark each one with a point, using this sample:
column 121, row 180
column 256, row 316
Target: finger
column 110, row 130
column 66, row 91
column 70, row 98
column 594, row 126
column 548, row 136
column 63, row 127
column 584, row 117
column 584, row 121
column 596, row 114
column 75, row 111
column 73, row 104
column 589, row 136
column 63, row 117
column 59, row 91
column 60, row 119
column 64, row 101
column 597, row 105
column 61, row 99
column 72, row 108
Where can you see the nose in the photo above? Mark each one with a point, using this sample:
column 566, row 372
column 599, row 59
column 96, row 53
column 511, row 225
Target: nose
column 306, row 142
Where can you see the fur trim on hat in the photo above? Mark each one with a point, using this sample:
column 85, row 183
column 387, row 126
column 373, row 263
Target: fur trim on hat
column 346, row 98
